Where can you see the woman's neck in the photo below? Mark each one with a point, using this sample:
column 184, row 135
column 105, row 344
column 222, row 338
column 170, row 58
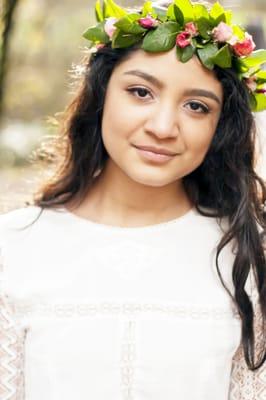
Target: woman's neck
column 115, row 199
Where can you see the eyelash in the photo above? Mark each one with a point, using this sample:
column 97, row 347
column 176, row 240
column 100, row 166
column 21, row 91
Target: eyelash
column 204, row 109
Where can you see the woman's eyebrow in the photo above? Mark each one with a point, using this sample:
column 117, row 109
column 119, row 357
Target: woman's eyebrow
column 156, row 82
column 146, row 76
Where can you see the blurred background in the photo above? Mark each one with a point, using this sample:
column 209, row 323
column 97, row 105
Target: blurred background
column 41, row 44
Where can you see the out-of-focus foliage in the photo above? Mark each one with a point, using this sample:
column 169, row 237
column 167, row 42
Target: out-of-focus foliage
column 46, row 41
column 7, row 10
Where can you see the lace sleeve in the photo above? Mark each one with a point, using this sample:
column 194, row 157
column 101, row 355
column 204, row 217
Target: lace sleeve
column 246, row 384
column 11, row 350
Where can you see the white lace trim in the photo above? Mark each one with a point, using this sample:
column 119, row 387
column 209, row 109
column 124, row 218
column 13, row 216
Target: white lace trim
column 12, row 341
column 246, row 384
column 128, row 356
column 69, row 310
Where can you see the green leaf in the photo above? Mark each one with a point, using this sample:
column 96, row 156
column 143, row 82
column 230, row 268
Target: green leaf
column 217, row 11
column 195, row 43
column 147, row 8
column 198, row 44
column 129, row 24
column 200, row 11
column 260, row 102
column 98, row 11
column 162, row 38
column 186, row 9
column 221, row 18
column 205, row 54
column 121, row 39
column 175, row 14
column 178, row 52
column 187, row 53
column 238, row 32
column 223, row 57
column 249, row 72
column 204, row 27
column 97, row 34
column 228, row 17
column 239, row 66
column 110, row 9
column 170, row 13
column 252, row 102
column 178, row 15
column 261, row 77
column 258, row 57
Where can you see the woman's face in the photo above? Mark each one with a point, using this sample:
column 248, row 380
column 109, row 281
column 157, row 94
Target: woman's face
column 154, row 100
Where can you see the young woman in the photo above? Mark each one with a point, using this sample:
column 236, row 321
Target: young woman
column 139, row 270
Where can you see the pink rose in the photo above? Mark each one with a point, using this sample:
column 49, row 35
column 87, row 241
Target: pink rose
column 109, row 26
column 245, row 47
column 222, row 32
column 148, row 22
column 191, row 28
column 183, row 39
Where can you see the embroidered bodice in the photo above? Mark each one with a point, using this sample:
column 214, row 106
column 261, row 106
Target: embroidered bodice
column 94, row 311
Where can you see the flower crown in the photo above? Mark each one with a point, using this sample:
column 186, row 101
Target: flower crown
column 193, row 29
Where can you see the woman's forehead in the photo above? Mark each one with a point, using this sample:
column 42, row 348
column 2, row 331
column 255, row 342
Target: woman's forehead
column 168, row 70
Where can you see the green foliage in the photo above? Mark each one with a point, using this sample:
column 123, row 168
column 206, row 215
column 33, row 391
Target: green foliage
column 256, row 59
column 204, row 27
column 260, row 102
column 186, row 53
column 148, row 9
column 161, row 39
column 223, row 57
column 96, row 34
column 207, row 53
column 217, row 14
column 186, row 9
column 98, row 11
column 175, row 14
column 122, row 39
column 129, row 24
column 111, row 9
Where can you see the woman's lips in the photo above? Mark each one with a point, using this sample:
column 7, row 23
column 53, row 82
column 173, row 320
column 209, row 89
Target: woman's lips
column 156, row 157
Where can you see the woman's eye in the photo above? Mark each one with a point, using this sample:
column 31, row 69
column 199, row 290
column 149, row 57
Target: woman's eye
column 198, row 107
column 140, row 90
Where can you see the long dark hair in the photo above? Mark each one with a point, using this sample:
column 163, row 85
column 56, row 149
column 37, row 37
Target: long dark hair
column 224, row 185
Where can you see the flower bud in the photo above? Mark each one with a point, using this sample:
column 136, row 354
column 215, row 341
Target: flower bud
column 222, row 33
column 245, row 47
column 191, row 28
column 183, row 39
column 148, row 22
column 109, row 26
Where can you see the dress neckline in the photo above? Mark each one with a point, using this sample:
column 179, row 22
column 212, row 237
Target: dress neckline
column 133, row 229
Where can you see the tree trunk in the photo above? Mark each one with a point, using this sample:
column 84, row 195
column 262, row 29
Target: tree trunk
column 7, row 11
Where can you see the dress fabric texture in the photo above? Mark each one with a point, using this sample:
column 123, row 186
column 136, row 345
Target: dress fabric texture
column 91, row 311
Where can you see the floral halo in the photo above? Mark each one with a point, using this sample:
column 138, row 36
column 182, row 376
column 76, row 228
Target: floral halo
column 193, row 29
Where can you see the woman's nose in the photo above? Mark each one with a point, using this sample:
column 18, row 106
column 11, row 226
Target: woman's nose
column 162, row 122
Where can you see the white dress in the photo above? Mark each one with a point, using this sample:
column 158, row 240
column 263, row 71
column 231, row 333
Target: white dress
column 91, row 311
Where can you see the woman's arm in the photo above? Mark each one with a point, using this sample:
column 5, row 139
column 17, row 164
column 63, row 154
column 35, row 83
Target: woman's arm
column 246, row 384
